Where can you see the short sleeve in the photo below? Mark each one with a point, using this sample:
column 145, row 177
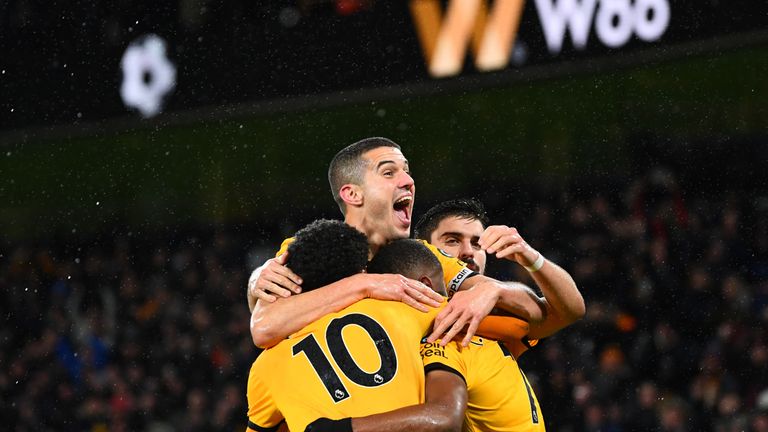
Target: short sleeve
column 448, row 358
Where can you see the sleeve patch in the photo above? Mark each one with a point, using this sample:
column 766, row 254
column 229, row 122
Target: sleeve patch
column 456, row 282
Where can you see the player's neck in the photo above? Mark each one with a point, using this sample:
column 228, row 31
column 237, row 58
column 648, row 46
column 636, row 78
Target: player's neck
column 375, row 238
column 374, row 243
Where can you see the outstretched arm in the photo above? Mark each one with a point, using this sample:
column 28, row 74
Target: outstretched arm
column 478, row 296
column 443, row 410
column 273, row 322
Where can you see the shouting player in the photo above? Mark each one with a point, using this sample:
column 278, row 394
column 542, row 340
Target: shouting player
column 371, row 182
column 484, row 377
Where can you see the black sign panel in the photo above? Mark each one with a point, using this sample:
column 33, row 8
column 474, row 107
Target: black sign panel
column 65, row 62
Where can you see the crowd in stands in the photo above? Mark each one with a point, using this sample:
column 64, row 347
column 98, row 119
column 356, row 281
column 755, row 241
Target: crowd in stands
column 127, row 332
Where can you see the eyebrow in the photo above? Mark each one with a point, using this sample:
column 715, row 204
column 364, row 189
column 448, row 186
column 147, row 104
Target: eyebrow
column 384, row 162
column 458, row 234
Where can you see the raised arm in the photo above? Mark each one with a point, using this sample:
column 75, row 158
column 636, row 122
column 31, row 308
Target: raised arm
column 443, row 410
column 563, row 302
column 560, row 306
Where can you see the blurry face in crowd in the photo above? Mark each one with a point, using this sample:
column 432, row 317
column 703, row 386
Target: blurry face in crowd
column 388, row 191
column 459, row 237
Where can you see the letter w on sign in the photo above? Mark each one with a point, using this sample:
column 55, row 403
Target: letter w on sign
column 444, row 39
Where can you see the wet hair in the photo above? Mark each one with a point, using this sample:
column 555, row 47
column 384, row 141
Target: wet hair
column 407, row 257
column 465, row 208
column 325, row 251
column 348, row 165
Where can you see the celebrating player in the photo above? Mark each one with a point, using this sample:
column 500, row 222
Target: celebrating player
column 371, row 182
column 460, row 227
column 483, row 377
column 498, row 392
column 373, row 344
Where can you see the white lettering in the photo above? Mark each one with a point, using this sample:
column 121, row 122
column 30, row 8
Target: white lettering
column 574, row 15
column 615, row 21
column 457, row 281
column 651, row 19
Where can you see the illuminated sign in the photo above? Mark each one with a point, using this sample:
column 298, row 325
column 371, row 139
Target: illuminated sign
column 615, row 21
column 445, row 41
column 95, row 63
column 148, row 75
column 491, row 33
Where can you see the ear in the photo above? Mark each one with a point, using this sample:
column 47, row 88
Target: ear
column 435, row 282
column 351, row 194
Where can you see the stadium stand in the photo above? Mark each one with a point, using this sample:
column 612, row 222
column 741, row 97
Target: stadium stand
column 151, row 333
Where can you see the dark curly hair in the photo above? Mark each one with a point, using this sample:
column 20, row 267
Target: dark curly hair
column 325, row 251
column 409, row 258
column 465, row 208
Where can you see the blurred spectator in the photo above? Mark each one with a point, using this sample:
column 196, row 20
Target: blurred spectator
column 151, row 332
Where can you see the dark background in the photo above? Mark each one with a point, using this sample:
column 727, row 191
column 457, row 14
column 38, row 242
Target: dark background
column 61, row 60
column 126, row 243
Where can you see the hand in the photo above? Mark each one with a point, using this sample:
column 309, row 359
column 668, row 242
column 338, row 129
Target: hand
column 466, row 309
column 399, row 288
column 507, row 243
column 273, row 277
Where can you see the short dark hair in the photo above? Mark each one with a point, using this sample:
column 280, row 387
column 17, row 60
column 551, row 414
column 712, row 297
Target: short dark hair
column 325, row 251
column 348, row 165
column 464, row 208
column 407, row 257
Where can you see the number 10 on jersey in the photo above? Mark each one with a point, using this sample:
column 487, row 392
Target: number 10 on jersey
column 340, row 354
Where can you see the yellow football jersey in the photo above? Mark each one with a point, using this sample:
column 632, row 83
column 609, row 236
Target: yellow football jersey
column 500, row 398
column 455, row 272
column 359, row 361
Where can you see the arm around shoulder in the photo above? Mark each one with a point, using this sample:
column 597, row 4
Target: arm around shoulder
column 273, row 322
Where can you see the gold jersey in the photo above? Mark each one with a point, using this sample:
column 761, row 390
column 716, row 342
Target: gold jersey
column 500, row 398
column 359, row 361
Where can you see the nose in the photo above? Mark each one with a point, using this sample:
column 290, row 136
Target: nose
column 466, row 251
column 406, row 181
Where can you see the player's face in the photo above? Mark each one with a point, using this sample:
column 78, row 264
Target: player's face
column 388, row 192
column 459, row 237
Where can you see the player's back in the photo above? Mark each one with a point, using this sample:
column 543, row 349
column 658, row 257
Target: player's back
column 359, row 361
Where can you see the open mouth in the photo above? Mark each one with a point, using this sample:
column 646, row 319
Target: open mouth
column 402, row 209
